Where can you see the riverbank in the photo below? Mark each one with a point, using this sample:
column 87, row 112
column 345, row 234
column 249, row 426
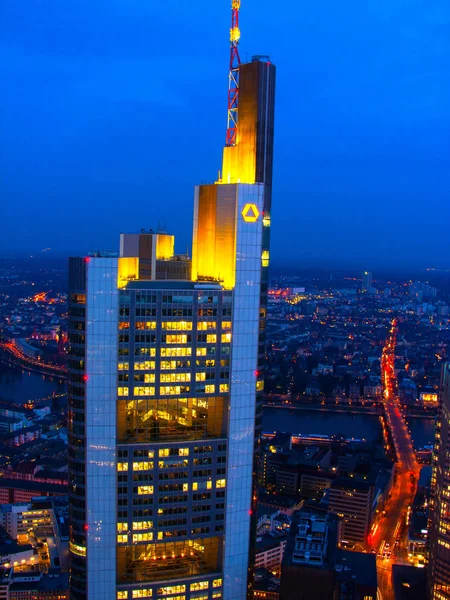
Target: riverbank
column 368, row 409
column 329, row 408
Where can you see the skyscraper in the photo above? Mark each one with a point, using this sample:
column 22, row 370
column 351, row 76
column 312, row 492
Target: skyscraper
column 165, row 370
column 439, row 529
column 366, row 282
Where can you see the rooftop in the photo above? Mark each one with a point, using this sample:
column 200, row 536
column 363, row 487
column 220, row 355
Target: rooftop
column 361, row 567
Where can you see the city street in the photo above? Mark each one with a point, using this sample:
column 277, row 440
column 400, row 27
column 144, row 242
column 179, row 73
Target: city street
column 391, row 526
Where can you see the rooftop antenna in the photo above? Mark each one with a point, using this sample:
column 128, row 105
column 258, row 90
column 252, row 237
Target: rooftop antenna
column 233, row 75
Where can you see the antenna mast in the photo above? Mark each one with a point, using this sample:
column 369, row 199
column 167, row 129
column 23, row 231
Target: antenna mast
column 233, row 76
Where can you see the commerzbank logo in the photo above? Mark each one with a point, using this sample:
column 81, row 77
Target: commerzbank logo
column 250, row 213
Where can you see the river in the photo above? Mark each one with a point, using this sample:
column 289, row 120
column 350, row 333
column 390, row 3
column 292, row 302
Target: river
column 20, row 386
column 329, row 423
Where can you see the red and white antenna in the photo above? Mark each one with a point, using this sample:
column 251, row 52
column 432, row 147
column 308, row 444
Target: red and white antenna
column 233, row 76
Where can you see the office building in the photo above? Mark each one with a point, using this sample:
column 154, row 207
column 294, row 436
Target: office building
column 307, row 571
column 439, row 526
column 352, row 501
column 315, row 567
column 165, row 370
column 366, row 282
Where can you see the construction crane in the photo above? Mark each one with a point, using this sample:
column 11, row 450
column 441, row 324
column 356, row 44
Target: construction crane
column 233, row 75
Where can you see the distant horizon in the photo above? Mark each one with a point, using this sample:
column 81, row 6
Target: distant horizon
column 109, row 123
column 323, row 264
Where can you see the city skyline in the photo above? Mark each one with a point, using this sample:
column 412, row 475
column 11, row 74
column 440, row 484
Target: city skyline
column 362, row 161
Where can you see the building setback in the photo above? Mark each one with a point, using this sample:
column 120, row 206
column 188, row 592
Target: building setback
column 165, row 372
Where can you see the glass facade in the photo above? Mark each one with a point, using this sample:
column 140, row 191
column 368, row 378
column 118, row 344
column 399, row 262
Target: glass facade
column 165, row 373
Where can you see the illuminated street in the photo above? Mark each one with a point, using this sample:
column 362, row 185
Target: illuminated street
column 392, row 526
column 389, row 534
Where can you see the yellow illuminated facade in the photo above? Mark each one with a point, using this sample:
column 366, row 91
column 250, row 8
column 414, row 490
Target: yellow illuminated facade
column 165, row 245
column 128, row 270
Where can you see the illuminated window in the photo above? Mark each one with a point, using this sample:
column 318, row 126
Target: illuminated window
column 201, row 351
column 75, row 548
column 144, row 365
column 199, row 585
column 122, row 539
column 183, row 452
column 143, row 593
column 205, row 325
column 217, row 595
column 124, row 325
column 226, row 324
column 145, row 325
column 123, row 366
column 220, row 483
column 210, row 389
column 145, row 351
column 265, row 258
column 168, row 364
column 144, row 391
column 143, row 537
column 226, row 338
column 224, row 387
column 177, row 325
column 171, row 589
column 217, row 583
column 185, row 487
column 138, row 525
column 176, row 339
column 149, row 378
column 195, row 486
column 173, row 390
column 122, row 466
column 122, row 527
column 142, row 466
column 176, row 351
column 209, row 485
column 122, row 594
column 259, row 386
column 200, row 376
column 122, row 391
column 144, row 490
column 165, row 377
column 164, row 452
column 211, row 338
column 266, row 219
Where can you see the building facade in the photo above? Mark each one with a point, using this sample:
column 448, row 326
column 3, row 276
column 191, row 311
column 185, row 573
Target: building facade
column 366, row 282
column 352, row 501
column 439, row 526
column 165, row 371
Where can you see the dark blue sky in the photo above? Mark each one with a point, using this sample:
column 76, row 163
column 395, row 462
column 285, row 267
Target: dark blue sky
column 112, row 110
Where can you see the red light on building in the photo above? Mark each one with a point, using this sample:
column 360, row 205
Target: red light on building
column 85, row 377
column 86, row 259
